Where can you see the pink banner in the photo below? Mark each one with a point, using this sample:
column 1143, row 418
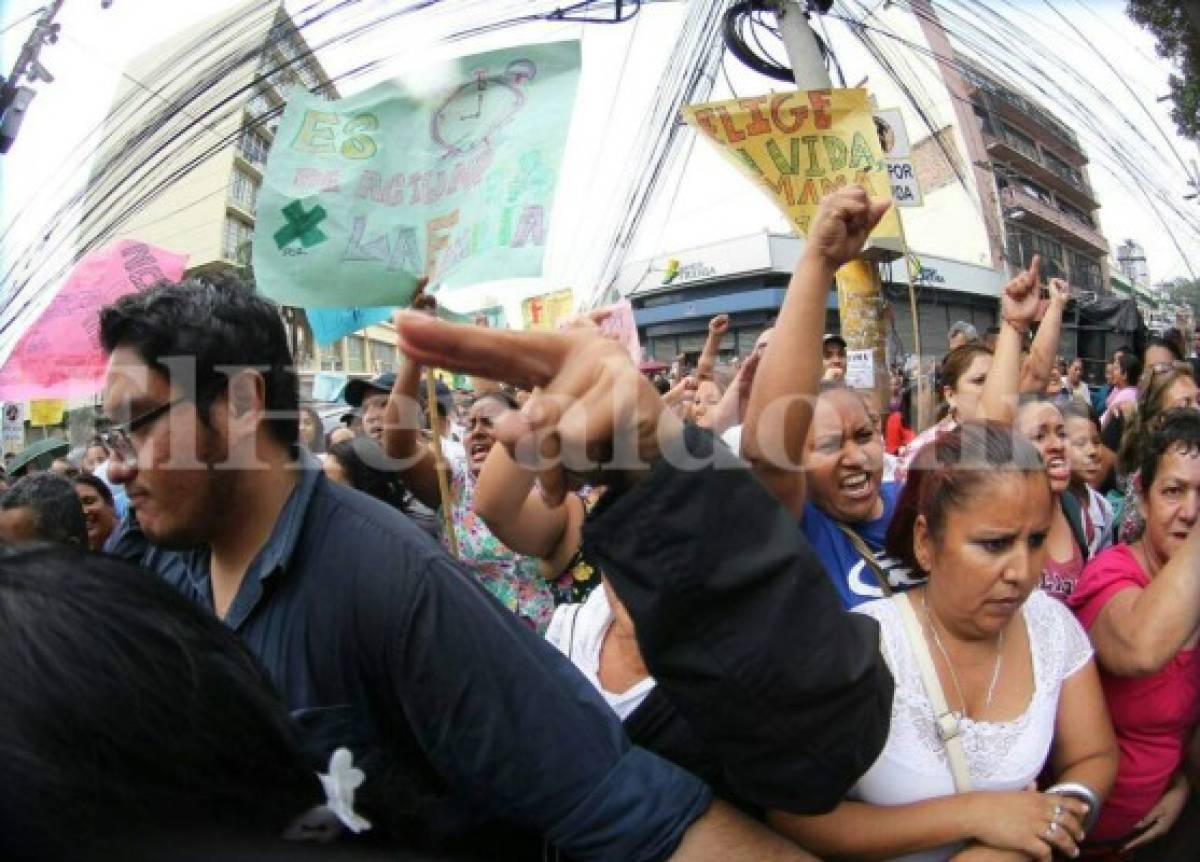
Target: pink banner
column 60, row 356
column 621, row 324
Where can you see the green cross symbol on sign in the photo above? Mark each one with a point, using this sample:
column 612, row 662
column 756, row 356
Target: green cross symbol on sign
column 301, row 225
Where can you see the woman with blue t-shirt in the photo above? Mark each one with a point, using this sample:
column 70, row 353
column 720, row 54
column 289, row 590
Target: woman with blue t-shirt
column 815, row 446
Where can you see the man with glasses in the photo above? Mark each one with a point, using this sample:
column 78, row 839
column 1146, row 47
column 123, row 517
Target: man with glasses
column 376, row 639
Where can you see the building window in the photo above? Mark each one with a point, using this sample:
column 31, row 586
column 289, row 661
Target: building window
column 1076, row 213
column 383, row 357
column 235, row 245
column 1023, row 244
column 692, row 342
column 283, row 79
column 746, row 339
column 984, row 118
column 243, row 190
column 331, row 356
column 260, row 105
column 253, row 147
column 1085, row 272
column 1033, row 189
column 1019, row 141
column 356, row 360
column 308, row 77
column 1064, row 170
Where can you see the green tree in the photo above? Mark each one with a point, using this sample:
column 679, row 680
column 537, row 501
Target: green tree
column 1175, row 25
column 1186, row 290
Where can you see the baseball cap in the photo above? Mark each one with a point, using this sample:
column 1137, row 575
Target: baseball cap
column 357, row 390
column 445, row 398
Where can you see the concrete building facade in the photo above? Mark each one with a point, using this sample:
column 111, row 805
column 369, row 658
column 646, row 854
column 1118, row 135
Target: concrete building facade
column 1002, row 179
column 187, row 178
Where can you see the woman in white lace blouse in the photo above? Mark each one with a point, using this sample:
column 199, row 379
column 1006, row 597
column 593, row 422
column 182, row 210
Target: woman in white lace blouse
column 1015, row 667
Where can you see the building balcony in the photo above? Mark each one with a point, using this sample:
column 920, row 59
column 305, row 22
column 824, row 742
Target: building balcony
column 1031, row 119
column 250, row 163
column 1043, row 216
column 1024, row 112
column 1029, row 162
column 243, row 209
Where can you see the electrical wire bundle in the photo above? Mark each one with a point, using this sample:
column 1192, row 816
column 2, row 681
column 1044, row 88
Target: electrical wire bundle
column 153, row 138
column 663, row 142
column 1011, row 53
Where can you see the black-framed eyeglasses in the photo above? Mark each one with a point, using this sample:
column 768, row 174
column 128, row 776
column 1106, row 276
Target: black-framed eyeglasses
column 118, row 438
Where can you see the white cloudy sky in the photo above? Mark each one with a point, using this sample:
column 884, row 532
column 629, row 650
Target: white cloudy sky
column 712, row 202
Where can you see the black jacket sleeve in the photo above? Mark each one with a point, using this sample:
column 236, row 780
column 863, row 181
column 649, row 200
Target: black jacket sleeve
column 742, row 628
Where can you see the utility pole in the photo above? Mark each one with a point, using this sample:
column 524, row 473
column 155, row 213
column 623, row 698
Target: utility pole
column 14, row 98
column 859, row 289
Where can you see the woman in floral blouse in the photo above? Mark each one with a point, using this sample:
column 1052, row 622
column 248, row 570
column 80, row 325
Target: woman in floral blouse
column 515, row 579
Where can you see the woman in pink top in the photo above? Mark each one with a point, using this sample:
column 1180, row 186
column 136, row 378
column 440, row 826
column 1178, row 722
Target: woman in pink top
column 1141, row 605
column 964, row 370
column 1126, row 369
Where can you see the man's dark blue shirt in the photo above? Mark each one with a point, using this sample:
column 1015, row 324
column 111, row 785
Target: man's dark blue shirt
column 459, row 714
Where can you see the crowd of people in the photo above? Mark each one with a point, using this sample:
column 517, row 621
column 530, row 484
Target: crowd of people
column 741, row 611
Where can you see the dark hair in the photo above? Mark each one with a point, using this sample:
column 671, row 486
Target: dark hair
column 99, row 486
column 1073, row 408
column 1131, row 366
column 1146, row 416
column 359, row 457
column 1174, row 341
column 1179, row 430
column 57, row 512
column 129, row 714
column 954, row 365
column 319, row 444
column 222, row 324
column 950, row 471
column 500, row 395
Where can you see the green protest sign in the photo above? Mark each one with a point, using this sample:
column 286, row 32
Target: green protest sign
column 363, row 194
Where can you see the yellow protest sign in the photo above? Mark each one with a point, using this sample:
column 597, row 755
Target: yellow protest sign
column 800, row 146
column 46, row 412
column 544, row 312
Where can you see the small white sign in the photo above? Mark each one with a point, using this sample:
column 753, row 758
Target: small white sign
column 893, row 137
column 860, row 369
column 14, row 422
column 897, row 152
column 906, row 192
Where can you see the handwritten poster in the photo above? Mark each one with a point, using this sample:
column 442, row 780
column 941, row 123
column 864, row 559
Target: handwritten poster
column 46, row 411
column 544, row 312
column 363, row 194
column 800, row 146
column 60, row 356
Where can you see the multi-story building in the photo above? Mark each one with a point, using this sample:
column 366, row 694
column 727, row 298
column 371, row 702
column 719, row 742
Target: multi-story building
column 1045, row 199
column 193, row 122
column 1002, row 179
column 1131, row 258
